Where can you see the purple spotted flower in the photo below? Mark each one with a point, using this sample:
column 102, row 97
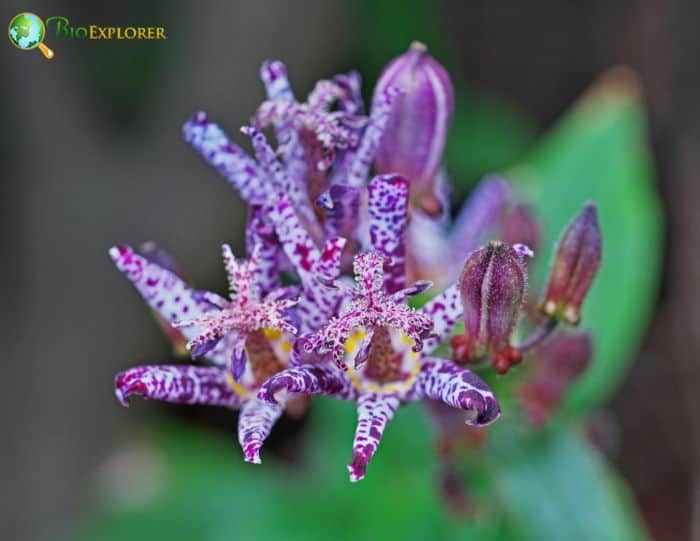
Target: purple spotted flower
column 226, row 333
column 350, row 207
column 377, row 350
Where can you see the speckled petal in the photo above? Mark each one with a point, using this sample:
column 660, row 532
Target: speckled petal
column 351, row 101
column 178, row 384
column 341, row 206
column 445, row 310
column 254, row 425
column 274, row 76
column 155, row 254
column 165, row 292
column 239, row 169
column 326, row 379
column 458, row 387
column 318, row 302
column 283, row 180
column 374, row 412
column 362, row 161
column 388, row 213
column 260, row 235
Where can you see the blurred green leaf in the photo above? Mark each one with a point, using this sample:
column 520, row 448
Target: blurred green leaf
column 548, row 485
column 553, row 485
column 209, row 493
column 487, row 135
column 598, row 151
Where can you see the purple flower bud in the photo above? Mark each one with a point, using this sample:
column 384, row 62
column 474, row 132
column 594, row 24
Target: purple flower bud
column 557, row 363
column 575, row 265
column 492, row 287
column 415, row 136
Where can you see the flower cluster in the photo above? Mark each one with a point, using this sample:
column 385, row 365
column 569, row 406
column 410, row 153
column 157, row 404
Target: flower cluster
column 357, row 248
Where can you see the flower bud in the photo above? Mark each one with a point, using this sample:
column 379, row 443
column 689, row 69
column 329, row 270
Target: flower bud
column 557, row 363
column 575, row 265
column 414, row 138
column 492, row 287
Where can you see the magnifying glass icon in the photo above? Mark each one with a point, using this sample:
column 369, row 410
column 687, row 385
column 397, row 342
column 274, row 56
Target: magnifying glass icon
column 27, row 31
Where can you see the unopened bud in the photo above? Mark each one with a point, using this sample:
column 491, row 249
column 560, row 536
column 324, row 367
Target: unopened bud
column 575, row 265
column 414, row 139
column 492, row 287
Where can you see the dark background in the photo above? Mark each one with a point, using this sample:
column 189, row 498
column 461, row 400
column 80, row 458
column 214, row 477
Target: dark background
column 92, row 156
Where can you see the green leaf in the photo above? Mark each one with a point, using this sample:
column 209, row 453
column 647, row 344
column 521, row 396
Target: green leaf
column 598, row 151
column 553, row 485
column 207, row 492
column 487, row 135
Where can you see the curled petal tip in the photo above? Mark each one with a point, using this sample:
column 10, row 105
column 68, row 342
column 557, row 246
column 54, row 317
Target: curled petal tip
column 486, row 408
column 124, row 389
column 357, row 469
column 268, row 392
column 251, row 453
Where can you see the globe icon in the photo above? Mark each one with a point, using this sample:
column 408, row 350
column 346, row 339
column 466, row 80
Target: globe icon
column 27, row 31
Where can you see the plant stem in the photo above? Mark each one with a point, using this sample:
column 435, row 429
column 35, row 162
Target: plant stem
column 540, row 334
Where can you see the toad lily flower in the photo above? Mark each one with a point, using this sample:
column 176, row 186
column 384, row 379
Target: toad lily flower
column 246, row 328
column 376, row 350
column 315, row 211
column 379, row 341
column 243, row 318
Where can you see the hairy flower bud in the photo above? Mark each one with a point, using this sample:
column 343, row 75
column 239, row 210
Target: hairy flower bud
column 558, row 363
column 575, row 265
column 415, row 136
column 492, row 287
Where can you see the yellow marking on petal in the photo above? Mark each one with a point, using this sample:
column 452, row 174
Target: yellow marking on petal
column 354, row 341
column 354, row 379
column 286, row 347
column 272, row 333
column 237, row 387
column 407, row 340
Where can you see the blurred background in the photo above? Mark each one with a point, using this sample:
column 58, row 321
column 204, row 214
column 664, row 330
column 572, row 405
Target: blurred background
column 93, row 156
